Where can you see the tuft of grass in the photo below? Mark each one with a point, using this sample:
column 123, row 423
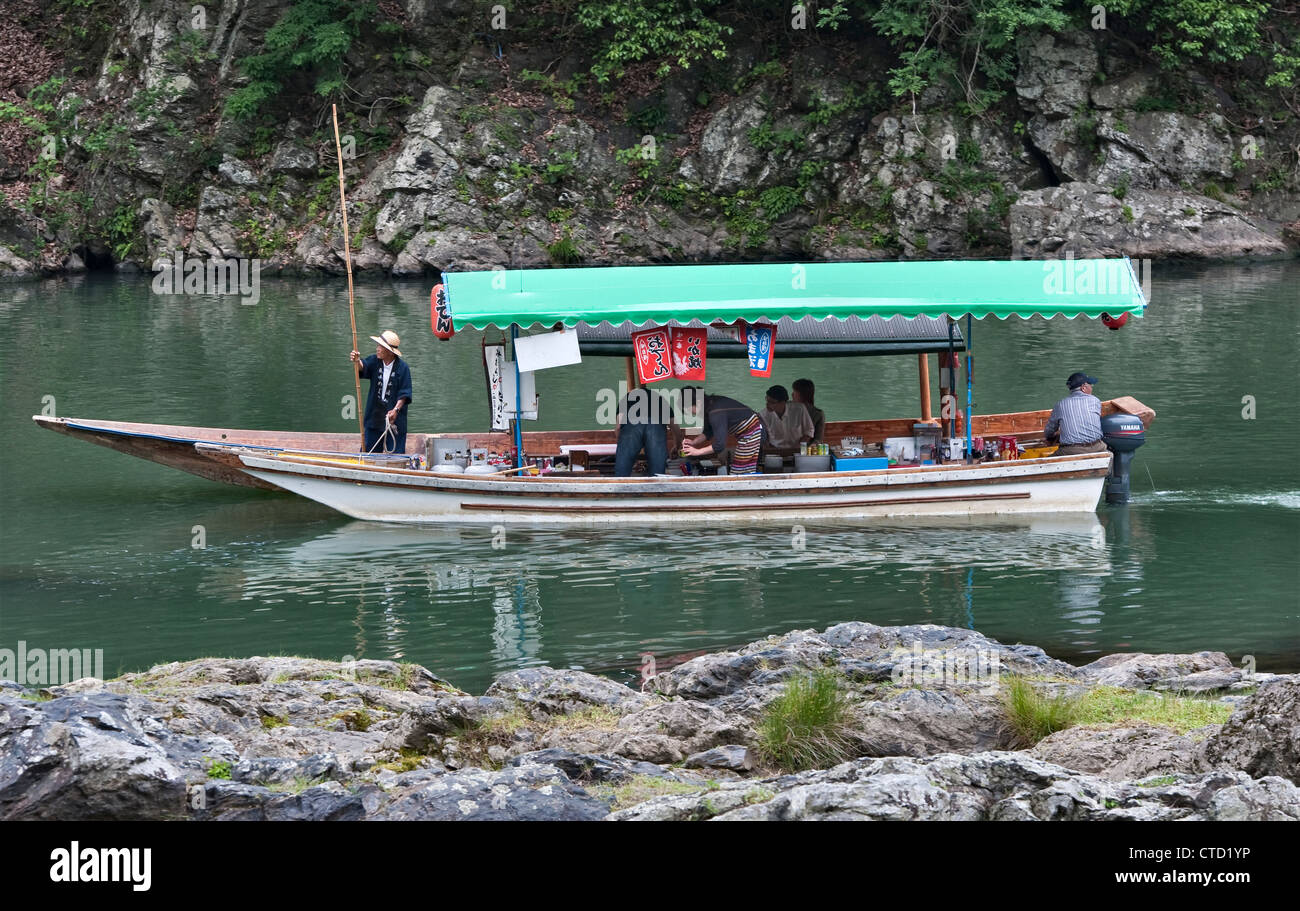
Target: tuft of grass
column 1032, row 716
column 1158, row 782
column 563, row 251
column 641, row 788
column 408, row 760
column 1111, row 705
column 356, row 720
column 274, row 721
column 807, row 726
column 402, row 680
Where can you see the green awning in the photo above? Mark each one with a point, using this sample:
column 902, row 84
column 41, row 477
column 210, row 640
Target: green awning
column 754, row 292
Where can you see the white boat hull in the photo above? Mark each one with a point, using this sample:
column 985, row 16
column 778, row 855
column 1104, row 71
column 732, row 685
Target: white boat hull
column 1071, row 484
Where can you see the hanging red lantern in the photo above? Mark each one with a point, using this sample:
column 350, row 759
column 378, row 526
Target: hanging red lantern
column 1114, row 322
column 439, row 315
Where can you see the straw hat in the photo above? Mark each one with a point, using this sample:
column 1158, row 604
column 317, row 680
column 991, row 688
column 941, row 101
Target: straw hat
column 388, row 338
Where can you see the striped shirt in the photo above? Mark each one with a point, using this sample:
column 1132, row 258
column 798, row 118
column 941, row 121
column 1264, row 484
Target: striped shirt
column 1077, row 417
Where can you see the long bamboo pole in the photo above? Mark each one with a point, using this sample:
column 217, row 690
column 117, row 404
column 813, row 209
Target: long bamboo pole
column 347, row 261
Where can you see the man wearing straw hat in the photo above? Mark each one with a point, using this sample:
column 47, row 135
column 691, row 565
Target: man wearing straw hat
column 390, row 393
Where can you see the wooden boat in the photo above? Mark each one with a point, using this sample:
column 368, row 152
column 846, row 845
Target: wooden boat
column 327, row 469
column 175, row 446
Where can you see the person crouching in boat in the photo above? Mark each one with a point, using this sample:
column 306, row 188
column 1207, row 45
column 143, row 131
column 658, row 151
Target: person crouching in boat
column 390, row 393
column 1076, row 419
column 725, row 420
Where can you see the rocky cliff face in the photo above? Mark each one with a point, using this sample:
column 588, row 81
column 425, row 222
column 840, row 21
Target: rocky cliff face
column 486, row 152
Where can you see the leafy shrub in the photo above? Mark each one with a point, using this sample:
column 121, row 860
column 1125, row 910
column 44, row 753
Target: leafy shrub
column 312, row 36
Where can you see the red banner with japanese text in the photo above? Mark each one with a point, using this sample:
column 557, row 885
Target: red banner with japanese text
column 650, row 348
column 690, row 351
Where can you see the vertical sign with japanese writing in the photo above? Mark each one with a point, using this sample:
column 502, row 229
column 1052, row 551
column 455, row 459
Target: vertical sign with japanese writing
column 761, row 340
column 494, row 359
column 690, row 350
column 650, row 348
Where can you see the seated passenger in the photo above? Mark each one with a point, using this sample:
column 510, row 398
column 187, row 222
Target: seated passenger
column 787, row 423
column 803, row 394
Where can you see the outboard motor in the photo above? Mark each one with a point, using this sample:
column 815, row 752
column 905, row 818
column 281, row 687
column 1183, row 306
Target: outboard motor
column 1123, row 434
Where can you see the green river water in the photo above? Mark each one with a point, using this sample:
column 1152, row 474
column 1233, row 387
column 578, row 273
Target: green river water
column 96, row 547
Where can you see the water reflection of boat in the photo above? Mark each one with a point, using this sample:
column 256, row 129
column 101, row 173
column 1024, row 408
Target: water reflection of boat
column 453, row 563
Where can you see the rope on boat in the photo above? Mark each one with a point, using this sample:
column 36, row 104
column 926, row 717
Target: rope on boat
column 387, row 439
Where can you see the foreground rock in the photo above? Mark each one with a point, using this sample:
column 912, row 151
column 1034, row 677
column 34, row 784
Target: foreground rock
column 300, row 739
column 994, row 786
column 1263, row 736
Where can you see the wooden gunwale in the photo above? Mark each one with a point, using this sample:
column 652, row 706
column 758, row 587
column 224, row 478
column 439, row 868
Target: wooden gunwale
column 691, row 488
column 686, row 507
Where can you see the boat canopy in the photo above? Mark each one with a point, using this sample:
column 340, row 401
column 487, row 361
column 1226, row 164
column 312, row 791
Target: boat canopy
column 853, row 337
column 766, row 292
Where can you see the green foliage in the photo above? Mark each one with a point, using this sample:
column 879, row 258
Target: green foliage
column 557, row 171
column 946, row 41
column 1121, row 187
column 777, row 201
column 763, row 137
column 217, row 768
column 1032, row 716
column 265, row 241
column 472, row 114
column 1184, row 31
column 670, row 31
column 563, row 251
column 190, row 50
column 832, row 16
column 312, row 36
column 648, row 118
column 122, row 232
column 1127, row 213
column 561, row 92
column 634, row 158
column 807, row 726
column 1160, row 782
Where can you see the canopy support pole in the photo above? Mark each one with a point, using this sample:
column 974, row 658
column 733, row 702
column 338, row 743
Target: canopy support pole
column 923, row 364
column 970, row 382
column 948, row 392
column 519, row 411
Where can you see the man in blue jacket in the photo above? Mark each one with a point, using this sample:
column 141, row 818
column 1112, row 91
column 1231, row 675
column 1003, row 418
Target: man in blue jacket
column 390, row 393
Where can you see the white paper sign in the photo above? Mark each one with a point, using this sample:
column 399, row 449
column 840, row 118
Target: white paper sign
column 527, row 392
column 494, row 358
column 549, row 349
